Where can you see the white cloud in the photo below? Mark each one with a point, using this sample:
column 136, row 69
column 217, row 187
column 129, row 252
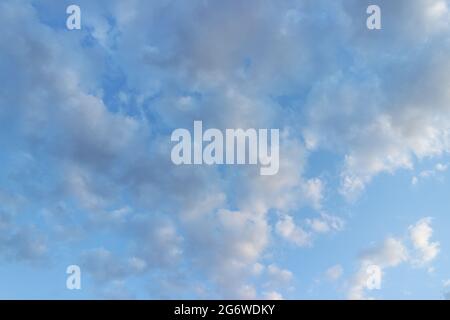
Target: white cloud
column 245, row 292
column 383, row 124
column 279, row 277
column 272, row 295
column 313, row 190
column 287, row 229
column 333, row 273
column 325, row 223
column 394, row 252
column 58, row 109
column 420, row 235
column 390, row 254
column 439, row 168
column 137, row 264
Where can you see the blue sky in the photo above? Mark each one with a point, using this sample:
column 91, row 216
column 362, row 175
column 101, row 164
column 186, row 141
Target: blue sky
column 86, row 176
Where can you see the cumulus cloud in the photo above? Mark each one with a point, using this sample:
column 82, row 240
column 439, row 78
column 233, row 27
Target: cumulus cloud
column 392, row 253
column 278, row 277
column 381, row 124
column 420, row 235
column 303, row 234
column 92, row 136
column 287, row 229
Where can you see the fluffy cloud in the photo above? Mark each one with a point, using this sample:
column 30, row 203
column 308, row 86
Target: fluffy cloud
column 383, row 124
column 420, row 235
column 92, row 137
column 303, row 234
column 287, row 229
column 392, row 253
column 278, row 277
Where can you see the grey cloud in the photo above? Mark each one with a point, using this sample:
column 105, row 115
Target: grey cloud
column 103, row 265
column 23, row 244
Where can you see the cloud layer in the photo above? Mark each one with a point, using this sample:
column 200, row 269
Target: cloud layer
column 86, row 119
